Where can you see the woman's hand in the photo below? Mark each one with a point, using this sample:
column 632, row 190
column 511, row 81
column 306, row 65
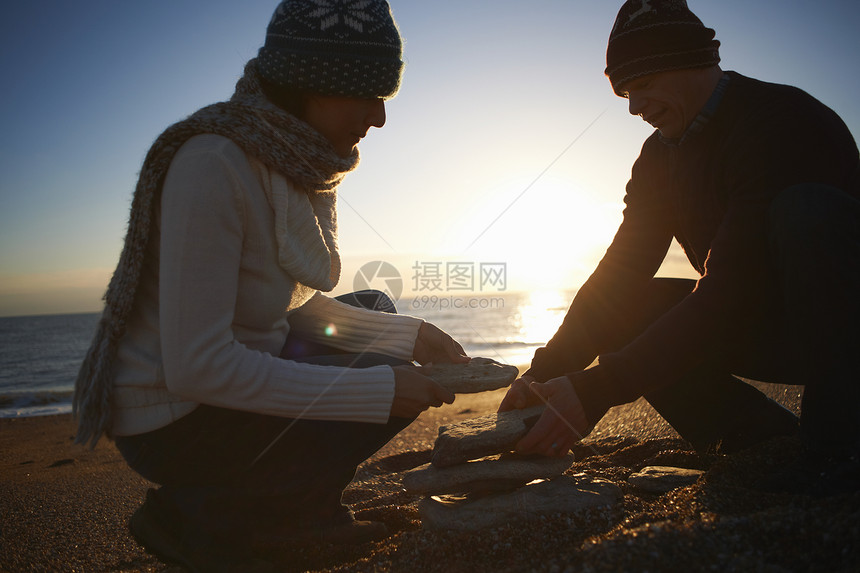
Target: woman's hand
column 562, row 424
column 435, row 345
column 414, row 392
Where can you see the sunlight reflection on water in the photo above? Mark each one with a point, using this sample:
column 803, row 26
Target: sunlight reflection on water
column 507, row 327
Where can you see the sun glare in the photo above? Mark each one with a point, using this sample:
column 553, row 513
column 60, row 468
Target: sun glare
column 541, row 315
column 552, row 237
column 538, row 315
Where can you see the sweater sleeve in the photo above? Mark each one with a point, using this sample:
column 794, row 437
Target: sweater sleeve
column 201, row 251
column 326, row 320
column 604, row 307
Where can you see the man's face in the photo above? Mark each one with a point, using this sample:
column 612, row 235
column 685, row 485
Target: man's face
column 664, row 100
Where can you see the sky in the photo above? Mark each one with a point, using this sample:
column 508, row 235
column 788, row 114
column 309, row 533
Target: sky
column 505, row 145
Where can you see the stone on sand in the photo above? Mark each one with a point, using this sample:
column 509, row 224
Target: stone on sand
column 477, row 375
column 564, row 494
column 481, row 437
column 660, row 479
column 481, row 476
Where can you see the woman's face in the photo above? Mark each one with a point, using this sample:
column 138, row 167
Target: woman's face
column 344, row 121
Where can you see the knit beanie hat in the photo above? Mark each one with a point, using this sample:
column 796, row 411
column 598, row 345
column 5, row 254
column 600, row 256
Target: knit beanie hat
column 652, row 36
column 333, row 47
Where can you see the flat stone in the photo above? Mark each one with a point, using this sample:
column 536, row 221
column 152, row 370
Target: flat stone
column 489, row 475
column 564, row 494
column 660, row 479
column 477, row 375
column 481, row 437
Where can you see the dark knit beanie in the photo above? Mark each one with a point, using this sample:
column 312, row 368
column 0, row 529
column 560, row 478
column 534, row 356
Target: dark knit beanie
column 334, row 47
column 652, row 36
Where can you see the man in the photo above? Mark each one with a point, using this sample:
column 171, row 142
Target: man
column 760, row 184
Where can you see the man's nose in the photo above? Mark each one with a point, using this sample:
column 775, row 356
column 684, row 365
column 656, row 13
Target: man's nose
column 635, row 104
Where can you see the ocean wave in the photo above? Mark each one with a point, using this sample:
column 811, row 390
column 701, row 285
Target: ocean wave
column 39, row 403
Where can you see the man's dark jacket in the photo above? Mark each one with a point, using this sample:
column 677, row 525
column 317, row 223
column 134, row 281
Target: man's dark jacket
column 711, row 192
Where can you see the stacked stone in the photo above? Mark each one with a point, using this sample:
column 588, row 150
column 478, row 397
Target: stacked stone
column 474, row 481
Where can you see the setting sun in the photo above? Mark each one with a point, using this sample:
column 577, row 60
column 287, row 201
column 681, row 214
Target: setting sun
column 552, row 236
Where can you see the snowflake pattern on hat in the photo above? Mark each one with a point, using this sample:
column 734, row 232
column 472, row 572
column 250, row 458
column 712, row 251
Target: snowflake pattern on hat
column 343, row 18
column 353, row 13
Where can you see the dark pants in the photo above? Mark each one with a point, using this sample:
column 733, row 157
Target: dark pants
column 809, row 334
column 232, row 472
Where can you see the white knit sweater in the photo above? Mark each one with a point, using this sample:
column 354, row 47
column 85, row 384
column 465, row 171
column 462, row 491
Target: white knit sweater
column 214, row 308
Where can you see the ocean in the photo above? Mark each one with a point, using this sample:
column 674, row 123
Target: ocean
column 39, row 359
column 40, row 355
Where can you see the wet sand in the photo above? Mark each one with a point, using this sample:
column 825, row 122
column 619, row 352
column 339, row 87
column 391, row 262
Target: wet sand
column 66, row 508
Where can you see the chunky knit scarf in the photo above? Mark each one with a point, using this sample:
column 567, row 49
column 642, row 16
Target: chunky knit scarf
column 280, row 141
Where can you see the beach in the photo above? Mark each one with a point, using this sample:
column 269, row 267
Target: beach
column 64, row 507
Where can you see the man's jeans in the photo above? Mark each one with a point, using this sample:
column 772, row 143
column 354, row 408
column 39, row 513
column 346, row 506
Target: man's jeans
column 233, row 472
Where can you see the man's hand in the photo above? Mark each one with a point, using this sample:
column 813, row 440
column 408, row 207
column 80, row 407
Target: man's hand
column 519, row 396
column 561, row 425
column 414, row 392
column 435, row 345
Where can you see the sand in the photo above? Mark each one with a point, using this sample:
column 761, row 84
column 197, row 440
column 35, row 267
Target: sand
column 65, row 508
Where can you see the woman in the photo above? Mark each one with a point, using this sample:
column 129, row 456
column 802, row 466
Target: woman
column 219, row 368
